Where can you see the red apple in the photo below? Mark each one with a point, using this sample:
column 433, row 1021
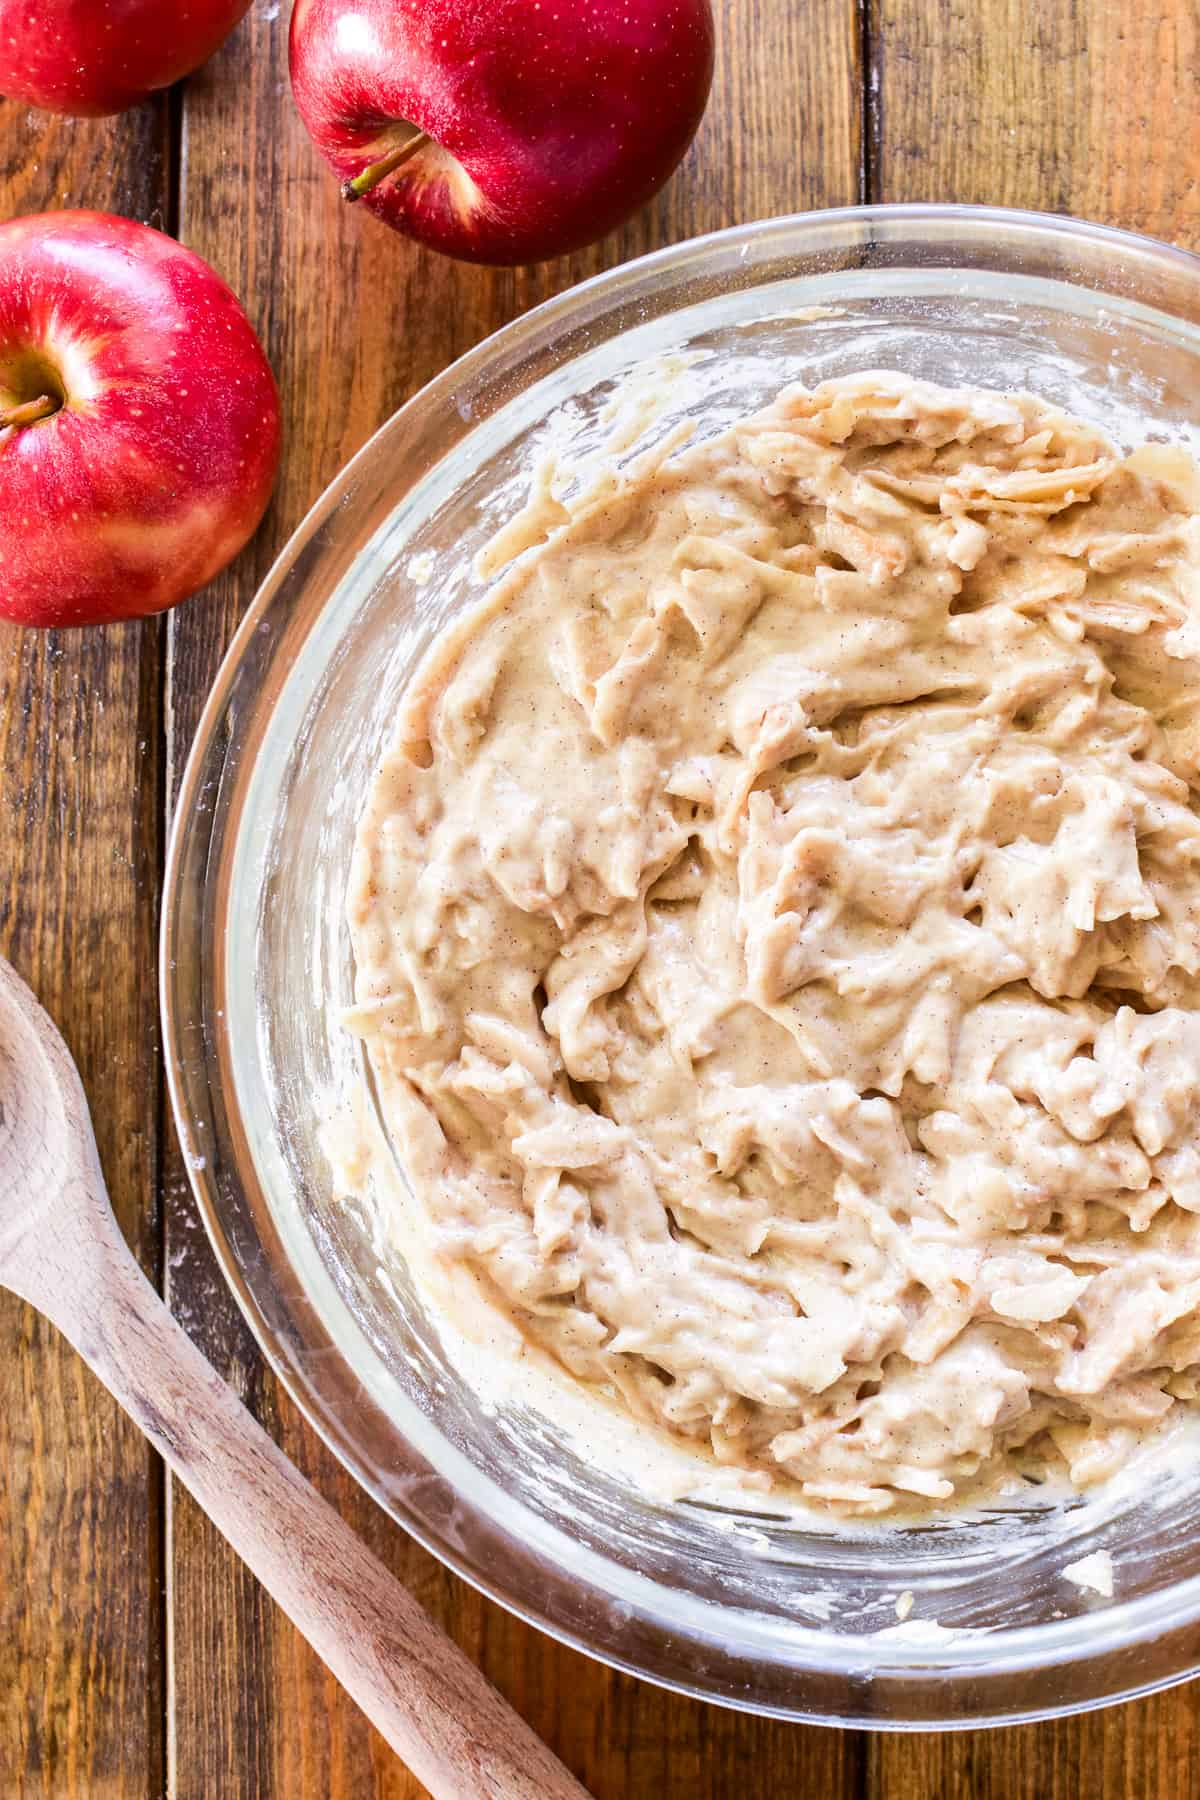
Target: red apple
column 139, row 421
column 92, row 57
column 502, row 131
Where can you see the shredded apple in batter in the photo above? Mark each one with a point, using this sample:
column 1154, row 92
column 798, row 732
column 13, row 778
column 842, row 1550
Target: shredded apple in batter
column 778, row 940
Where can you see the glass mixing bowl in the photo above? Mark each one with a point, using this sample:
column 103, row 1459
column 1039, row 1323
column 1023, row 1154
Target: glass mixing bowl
column 756, row 1612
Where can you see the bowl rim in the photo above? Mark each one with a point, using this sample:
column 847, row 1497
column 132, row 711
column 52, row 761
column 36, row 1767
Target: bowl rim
column 1126, row 1624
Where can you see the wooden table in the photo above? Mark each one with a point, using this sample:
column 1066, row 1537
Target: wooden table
column 136, row 1657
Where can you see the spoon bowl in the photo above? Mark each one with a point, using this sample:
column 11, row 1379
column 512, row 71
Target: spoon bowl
column 45, row 1158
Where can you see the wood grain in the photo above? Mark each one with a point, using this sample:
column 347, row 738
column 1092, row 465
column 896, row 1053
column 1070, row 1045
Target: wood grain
column 1089, row 109
column 355, row 320
column 1063, row 105
column 81, row 1621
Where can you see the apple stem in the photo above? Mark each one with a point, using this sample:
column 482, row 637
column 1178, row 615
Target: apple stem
column 32, row 413
column 371, row 176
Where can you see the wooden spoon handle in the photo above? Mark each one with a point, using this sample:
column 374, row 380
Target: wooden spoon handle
column 429, row 1701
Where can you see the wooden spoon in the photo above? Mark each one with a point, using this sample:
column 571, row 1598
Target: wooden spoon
column 61, row 1250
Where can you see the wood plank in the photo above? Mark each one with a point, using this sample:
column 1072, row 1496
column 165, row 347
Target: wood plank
column 81, row 1622
column 1149, row 1750
column 1056, row 105
column 355, row 321
column 1052, row 104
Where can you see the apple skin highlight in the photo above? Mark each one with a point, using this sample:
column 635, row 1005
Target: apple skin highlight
column 89, row 58
column 551, row 120
column 158, row 461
